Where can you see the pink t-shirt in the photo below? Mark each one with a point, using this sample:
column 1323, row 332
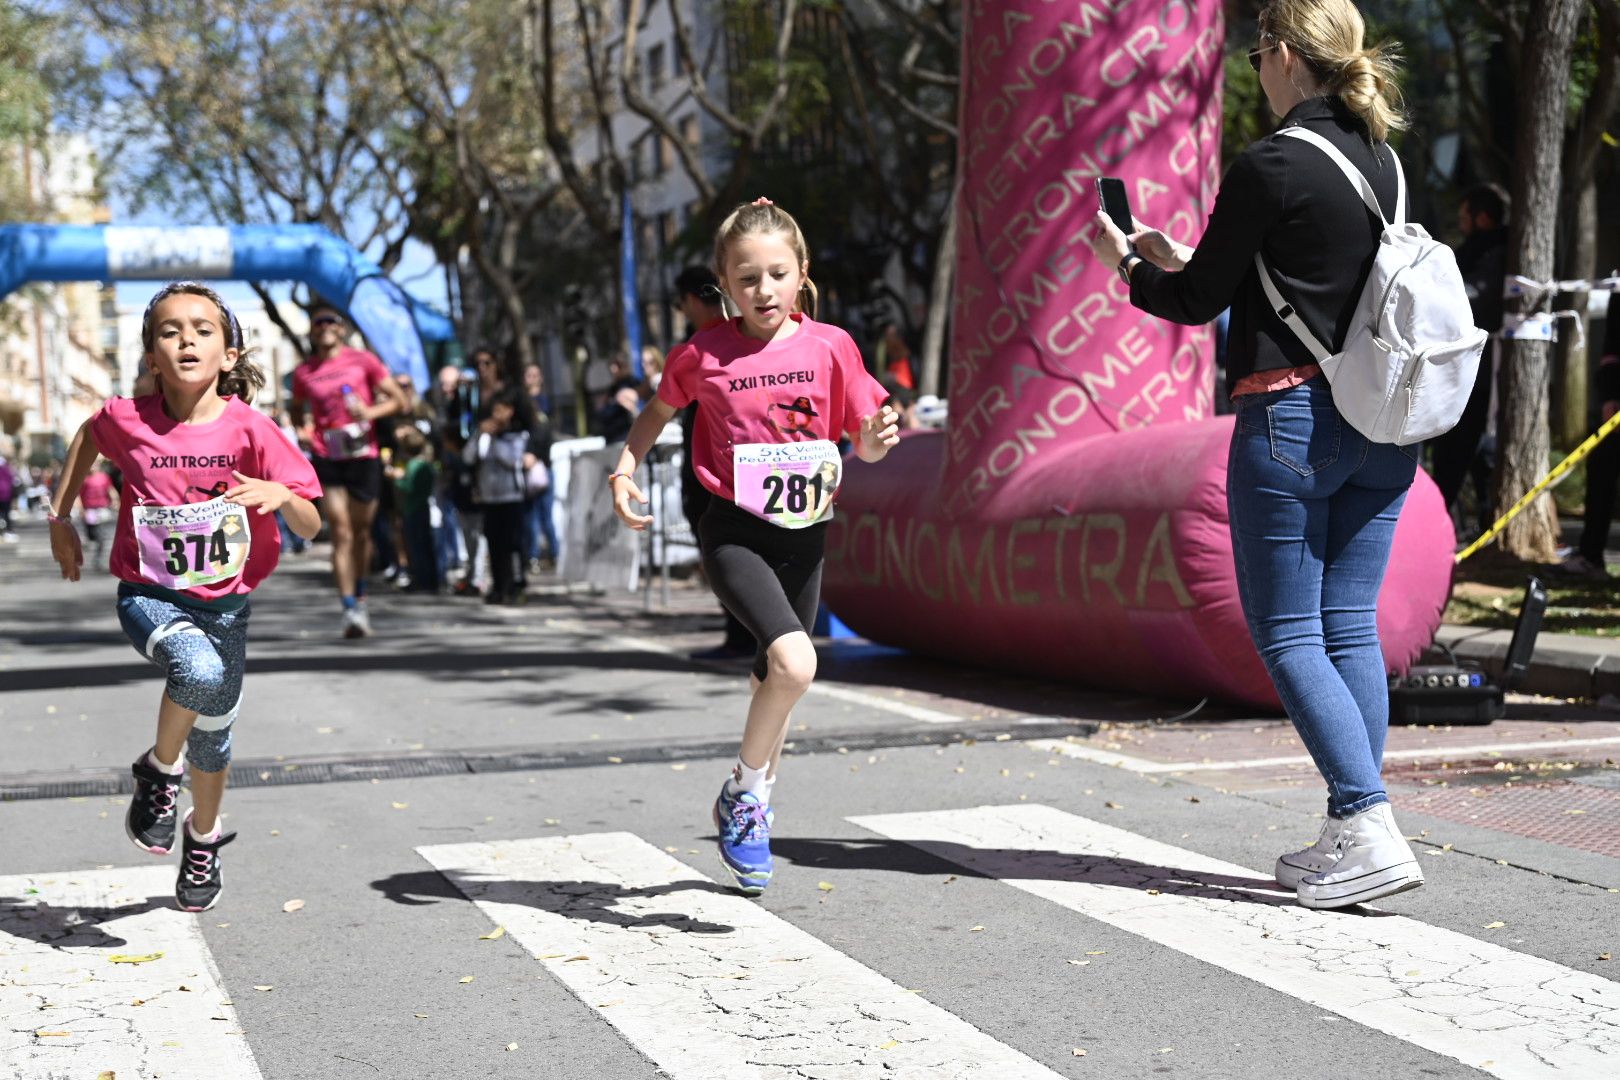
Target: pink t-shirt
column 171, row 464
column 96, row 494
column 318, row 384
column 811, row 385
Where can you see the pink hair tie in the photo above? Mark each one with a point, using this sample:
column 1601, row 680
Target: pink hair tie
column 762, row 201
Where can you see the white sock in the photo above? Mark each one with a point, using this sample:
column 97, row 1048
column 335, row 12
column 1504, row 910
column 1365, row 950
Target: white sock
column 770, row 789
column 745, row 777
column 176, row 769
column 203, row 838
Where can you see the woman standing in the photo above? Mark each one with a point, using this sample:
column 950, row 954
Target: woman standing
column 1312, row 502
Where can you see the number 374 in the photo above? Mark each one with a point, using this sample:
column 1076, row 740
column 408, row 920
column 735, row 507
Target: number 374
column 204, row 550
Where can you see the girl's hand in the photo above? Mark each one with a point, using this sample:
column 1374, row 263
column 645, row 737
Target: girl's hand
column 267, row 495
column 624, row 489
column 878, row 433
column 66, row 550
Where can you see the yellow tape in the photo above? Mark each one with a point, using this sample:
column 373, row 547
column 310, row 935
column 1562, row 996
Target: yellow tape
column 1543, row 484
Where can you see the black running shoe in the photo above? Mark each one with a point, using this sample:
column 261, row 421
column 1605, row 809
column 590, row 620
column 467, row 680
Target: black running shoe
column 200, row 883
column 150, row 821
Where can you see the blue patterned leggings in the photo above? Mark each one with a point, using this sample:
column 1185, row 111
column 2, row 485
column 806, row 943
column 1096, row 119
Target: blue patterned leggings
column 203, row 653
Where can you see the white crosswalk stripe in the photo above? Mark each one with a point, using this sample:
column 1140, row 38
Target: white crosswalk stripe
column 1506, row 1013
column 100, row 973
column 705, row 982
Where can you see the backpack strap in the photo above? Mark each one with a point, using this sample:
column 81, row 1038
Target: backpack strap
column 1285, row 311
column 1353, row 174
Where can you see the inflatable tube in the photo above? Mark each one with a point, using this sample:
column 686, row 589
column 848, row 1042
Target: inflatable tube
column 1071, row 521
column 394, row 324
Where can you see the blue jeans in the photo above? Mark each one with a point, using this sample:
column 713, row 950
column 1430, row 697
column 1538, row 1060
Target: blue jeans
column 1313, row 507
column 537, row 526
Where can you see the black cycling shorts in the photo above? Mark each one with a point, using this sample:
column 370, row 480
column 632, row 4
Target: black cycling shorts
column 361, row 477
column 767, row 576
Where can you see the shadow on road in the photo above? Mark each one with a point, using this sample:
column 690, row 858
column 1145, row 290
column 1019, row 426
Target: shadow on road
column 593, row 901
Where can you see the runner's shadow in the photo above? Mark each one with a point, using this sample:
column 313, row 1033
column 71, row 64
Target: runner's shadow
column 592, row 901
column 931, row 857
column 69, row 927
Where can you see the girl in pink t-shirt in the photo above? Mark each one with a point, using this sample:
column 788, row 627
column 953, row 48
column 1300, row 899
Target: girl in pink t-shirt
column 776, row 391
column 204, row 473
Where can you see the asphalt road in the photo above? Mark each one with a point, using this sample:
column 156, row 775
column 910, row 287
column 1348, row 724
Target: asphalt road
column 977, row 875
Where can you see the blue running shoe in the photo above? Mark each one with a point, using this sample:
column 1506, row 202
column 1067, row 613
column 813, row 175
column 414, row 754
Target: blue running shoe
column 745, row 840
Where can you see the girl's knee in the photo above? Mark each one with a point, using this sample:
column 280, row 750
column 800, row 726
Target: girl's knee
column 791, row 662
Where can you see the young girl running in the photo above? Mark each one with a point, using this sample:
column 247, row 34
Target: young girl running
column 204, row 474
column 776, row 390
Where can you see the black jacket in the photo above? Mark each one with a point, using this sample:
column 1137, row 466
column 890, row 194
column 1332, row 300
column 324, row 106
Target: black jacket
column 1482, row 261
column 1288, row 200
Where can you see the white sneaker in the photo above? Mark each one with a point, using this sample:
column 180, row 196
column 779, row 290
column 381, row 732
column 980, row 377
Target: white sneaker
column 363, row 618
column 1316, row 859
column 355, row 623
column 1374, row 861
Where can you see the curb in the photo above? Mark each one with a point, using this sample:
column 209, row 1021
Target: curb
column 1563, row 665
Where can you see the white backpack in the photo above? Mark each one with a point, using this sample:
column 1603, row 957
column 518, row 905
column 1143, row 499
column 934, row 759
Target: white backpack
column 1410, row 359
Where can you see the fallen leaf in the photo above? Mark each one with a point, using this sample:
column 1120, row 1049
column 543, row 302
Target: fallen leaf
column 890, row 1045
column 401, row 805
column 974, row 929
column 323, row 731
column 1077, row 1052
column 1167, row 1049
column 616, row 760
column 223, row 925
column 108, row 1075
column 511, row 1046
column 465, row 979
column 51, row 1034
column 571, row 959
column 609, row 1004
column 266, row 988
column 1603, row 956
column 1113, row 805
column 1097, row 952
column 292, row 905
column 1192, row 798
column 1493, row 925
column 553, row 821
column 679, row 766
column 1414, row 972
column 1574, row 811
column 498, row 932
column 134, row 958
column 825, row 886
column 420, row 1016
column 1080, row 963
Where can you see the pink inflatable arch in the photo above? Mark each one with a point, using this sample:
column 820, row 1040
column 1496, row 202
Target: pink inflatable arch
column 1071, row 521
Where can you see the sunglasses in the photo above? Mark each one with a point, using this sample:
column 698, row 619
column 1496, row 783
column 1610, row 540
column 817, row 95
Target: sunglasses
column 325, row 320
column 1256, row 53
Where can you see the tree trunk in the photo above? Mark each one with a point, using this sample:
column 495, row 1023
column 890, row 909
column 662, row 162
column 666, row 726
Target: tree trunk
column 939, row 305
column 1537, row 168
column 1580, row 261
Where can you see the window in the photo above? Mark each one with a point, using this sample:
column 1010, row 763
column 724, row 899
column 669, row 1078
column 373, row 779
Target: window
column 666, row 155
column 689, row 131
column 655, row 68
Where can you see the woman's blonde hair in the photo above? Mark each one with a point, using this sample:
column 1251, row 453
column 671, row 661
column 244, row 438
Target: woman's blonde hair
column 1329, row 36
column 242, row 380
column 764, row 216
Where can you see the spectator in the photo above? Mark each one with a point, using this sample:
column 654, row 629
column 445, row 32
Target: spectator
column 1467, row 450
column 539, row 510
column 698, row 290
column 414, row 477
column 501, row 454
column 1603, row 466
column 8, row 491
column 894, row 358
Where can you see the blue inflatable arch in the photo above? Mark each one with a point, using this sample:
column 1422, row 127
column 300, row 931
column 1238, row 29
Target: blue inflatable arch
column 393, row 323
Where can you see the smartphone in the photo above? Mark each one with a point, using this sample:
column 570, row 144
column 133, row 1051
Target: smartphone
column 1111, row 193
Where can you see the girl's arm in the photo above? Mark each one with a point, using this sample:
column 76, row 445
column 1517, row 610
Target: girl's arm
column 81, row 458
column 301, row 516
column 270, row 496
column 643, row 433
